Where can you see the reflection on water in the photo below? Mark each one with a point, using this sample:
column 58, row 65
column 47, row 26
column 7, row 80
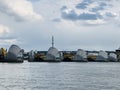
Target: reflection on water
column 60, row 76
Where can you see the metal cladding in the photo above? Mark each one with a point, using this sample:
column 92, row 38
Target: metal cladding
column 102, row 56
column 112, row 57
column 81, row 55
column 14, row 53
column 52, row 54
column 31, row 55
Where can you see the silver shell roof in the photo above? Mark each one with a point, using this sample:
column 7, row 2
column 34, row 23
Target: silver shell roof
column 81, row 53
column 113, row 55
column 102, row 56
column 53, row 51
column 13, row 52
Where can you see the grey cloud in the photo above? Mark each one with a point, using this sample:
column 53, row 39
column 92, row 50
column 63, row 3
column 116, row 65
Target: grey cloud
column 103, row 4
column 72, row 15
column 88, row 1
column 109, row 14
column 94, row 13
column 100, row 7
column 88, row 16
column 56, row 20
column 84, row 4
column 97, row 9
column 63, row 8
column 33, row 0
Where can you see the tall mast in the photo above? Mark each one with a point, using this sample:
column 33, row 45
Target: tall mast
column 52, row 41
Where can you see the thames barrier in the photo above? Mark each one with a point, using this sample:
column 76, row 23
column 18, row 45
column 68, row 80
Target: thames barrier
column 16, row 54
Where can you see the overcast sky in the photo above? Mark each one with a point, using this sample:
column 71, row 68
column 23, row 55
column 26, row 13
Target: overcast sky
column 75, row 24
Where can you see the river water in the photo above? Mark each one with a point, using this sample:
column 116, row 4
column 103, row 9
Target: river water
column 60, row 76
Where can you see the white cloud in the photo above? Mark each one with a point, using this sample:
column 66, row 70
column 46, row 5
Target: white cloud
column 5, row 37
column 68, row 34
column 8, row 42
column 94, row 22
column 20, row 9
column 4, row 30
